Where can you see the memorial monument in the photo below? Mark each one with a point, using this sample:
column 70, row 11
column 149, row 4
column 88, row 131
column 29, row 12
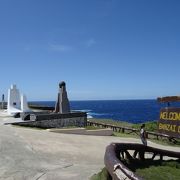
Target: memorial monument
column 16, row 103
column 61, row 117
column 3, row 102
column 62, row 104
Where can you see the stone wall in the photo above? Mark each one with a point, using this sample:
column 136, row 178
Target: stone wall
column 50, row 116
column 56, row 120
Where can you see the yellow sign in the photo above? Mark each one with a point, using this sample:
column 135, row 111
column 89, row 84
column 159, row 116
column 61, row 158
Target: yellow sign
column 169, row 122
column 174, row 116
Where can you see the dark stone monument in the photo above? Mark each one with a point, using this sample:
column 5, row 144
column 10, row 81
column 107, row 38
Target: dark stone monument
column 61, row 117
column 3, row 102
column 62, row 104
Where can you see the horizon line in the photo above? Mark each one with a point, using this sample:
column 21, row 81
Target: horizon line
column 97, row 100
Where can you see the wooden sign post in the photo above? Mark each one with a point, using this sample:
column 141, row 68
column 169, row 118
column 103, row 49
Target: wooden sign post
column 169, row 121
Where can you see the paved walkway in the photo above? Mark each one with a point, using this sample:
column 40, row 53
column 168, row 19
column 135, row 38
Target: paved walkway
column 29, row 154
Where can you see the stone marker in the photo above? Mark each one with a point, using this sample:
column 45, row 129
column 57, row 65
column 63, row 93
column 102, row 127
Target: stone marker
column 62, row 117
column 62, row 104
column 2, row 102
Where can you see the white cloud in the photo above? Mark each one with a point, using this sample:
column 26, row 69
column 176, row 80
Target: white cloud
column 59, row 47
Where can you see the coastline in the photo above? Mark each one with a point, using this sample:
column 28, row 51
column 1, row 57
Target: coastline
column 132, row 111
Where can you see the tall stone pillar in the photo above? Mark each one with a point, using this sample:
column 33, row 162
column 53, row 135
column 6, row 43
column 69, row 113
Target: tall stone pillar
column 3, row 102
column 57, row 103
column 62, row 104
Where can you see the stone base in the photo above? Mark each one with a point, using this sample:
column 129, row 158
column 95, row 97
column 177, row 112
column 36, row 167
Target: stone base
column 55, row 120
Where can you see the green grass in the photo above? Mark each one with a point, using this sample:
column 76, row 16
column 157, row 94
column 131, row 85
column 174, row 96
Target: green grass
column 110, row 121
column 102, row 175
column 155, row 169
column 162, row 141
column 148, row 170
column 149, row 126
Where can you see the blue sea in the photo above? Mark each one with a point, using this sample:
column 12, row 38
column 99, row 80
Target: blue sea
column 133, row 111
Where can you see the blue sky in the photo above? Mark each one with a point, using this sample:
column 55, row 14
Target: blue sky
column 102, row 49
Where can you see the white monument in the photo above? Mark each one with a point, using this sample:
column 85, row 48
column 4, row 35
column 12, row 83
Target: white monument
column 24, row 105
column 15, row 102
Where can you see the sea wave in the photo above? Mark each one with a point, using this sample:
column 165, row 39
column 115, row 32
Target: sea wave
column 82, row 110
column 89, row 116
column 88, row 111
column 97, row 114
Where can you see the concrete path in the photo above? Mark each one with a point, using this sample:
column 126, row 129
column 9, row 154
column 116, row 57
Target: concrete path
column 29, row 154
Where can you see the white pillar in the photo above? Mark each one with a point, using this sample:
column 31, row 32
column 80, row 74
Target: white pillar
column 24, row 105
column 14, row 102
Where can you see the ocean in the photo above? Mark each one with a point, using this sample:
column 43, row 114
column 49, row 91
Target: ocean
column 133, row 111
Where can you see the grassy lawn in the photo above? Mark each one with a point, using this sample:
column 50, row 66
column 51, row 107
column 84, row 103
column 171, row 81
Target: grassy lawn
column 150, row 126
column 148, row 170
column 162, row 141
column 155, row 169
column 102, row 175
column 110, row 121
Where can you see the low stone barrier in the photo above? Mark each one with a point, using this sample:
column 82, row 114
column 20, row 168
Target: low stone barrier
column 55, row 120
column 50, row 116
